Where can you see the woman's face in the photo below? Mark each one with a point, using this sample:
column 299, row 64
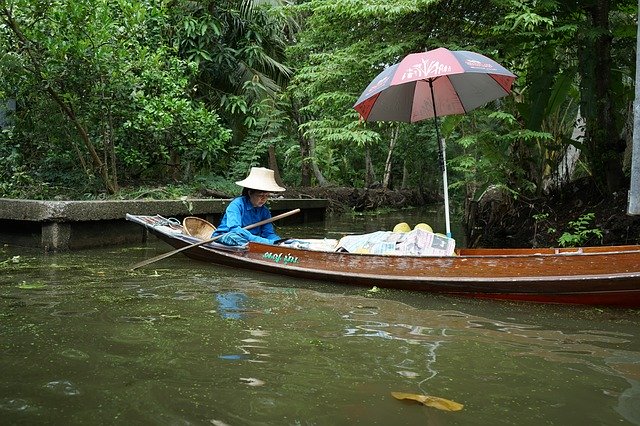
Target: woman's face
column 258, row 198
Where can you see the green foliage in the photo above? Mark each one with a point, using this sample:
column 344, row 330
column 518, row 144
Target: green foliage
column 103, row 96
column 267, row 127
column 145, row 92
column 214, row 182
column 167, row 128
column 239, row 48
column 570, row 54
column 345, row 45
column 539, row 219
column 580, row 231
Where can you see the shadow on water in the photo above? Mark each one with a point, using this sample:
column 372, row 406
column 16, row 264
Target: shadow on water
column 85, row 340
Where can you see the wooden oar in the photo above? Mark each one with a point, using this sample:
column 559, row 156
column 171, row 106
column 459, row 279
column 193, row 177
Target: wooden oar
column 199, row 243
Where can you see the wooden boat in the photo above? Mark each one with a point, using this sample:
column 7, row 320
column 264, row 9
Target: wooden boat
column 587, row 275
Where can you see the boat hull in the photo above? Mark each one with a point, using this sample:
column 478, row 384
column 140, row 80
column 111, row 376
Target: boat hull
column 590, row 276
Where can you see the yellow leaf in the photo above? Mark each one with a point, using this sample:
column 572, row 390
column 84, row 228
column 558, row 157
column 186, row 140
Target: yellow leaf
column 430, row 401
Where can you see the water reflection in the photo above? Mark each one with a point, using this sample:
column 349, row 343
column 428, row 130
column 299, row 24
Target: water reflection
column 231, row 304
column 602, row 352
column 234, row 305
column 427, row 337
column 187, row 343
column 251, row 349
column 17, row 405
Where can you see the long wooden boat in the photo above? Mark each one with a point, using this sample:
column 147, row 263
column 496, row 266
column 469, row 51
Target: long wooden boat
column 587, row 275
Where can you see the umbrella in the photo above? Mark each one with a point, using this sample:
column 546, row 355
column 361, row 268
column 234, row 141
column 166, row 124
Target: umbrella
column 430, row 84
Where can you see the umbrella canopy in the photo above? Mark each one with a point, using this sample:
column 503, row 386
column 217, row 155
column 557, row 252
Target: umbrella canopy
column 430, row 84
column 461, row 80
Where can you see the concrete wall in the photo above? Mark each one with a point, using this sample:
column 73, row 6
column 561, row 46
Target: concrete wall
column 72, row 225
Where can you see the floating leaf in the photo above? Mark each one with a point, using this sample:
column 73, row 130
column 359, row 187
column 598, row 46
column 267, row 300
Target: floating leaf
column 430, row 401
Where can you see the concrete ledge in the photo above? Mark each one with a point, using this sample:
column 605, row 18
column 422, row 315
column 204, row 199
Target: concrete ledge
column 70, row 225
column 81, row 211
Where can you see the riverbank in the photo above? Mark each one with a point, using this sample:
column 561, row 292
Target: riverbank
column 342, row 199
column 579, row 212
column 499, row 220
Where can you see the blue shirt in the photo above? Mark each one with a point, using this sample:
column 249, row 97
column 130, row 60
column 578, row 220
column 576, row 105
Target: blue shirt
column 240, row 213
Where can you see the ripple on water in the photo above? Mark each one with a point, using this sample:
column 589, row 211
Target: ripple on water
column 63, row 387
column 251, row 381
column 148, row 319
column 17, row 405
column 186, row 295
column 75, row 354
column 133, row 334
column 78, row 314
column 148, row 295
column 258, row 332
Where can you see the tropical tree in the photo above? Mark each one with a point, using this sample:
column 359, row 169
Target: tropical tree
column 144, row 90
column 343, row 45
column 239, row 48
column 563, row 53
column 100, row 93
column 574, row 65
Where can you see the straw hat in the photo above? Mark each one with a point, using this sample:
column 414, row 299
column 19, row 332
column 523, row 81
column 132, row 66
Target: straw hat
column 261, row 179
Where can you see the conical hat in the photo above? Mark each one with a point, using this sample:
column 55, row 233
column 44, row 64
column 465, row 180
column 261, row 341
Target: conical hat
column 261, row 179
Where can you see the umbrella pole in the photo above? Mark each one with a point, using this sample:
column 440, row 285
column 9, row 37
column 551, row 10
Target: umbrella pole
column 442, row 157
column 445, row 184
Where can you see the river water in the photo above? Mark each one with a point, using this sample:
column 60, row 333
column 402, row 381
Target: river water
column 85, row 340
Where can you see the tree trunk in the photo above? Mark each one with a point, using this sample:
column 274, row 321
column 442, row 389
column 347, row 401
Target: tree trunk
column 273, row 164
column 314, row 166
column 596, row 98
column 387, row 165
column 111, row 150
column 305, row 172
column 305, row 147
column 99, row 165
column 405, row 174
column 370, row 174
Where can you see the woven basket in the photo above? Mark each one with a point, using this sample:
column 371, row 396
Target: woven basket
column 197, row 227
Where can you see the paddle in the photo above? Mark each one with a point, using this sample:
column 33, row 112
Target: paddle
column 199, row 243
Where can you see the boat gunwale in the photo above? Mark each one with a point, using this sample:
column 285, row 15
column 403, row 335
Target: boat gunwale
column 558, row 254
column 462, row 280
column 445, row 279
column 471, row 256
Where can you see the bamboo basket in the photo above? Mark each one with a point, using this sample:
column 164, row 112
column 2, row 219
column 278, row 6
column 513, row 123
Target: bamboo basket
column 197, row 227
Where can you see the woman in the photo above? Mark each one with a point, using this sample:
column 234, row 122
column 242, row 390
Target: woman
column 248, row 209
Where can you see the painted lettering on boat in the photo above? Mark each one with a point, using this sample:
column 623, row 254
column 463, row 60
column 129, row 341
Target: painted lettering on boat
column 278, row 257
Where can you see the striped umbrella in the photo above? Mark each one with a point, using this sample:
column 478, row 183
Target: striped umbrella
column 433, row 84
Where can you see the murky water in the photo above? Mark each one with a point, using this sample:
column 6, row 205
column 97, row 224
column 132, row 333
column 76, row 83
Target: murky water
column 86, row 341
